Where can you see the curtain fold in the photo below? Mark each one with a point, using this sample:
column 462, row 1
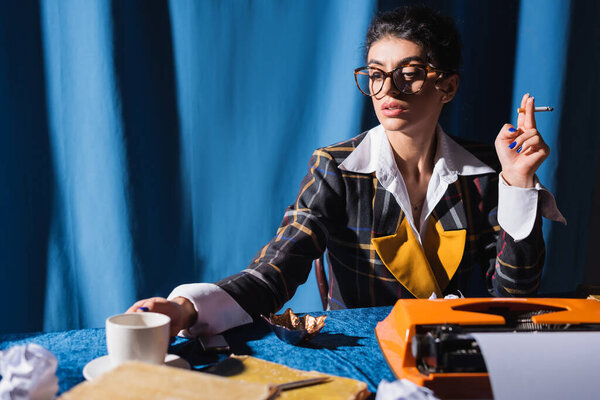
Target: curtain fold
column 541, row 70
column 26, row 179
column 90, row 246
column 148, row 144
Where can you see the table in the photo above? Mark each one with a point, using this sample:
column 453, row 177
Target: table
column 346, row 347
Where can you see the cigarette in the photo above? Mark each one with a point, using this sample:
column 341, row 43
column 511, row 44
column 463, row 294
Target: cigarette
column 537, row 109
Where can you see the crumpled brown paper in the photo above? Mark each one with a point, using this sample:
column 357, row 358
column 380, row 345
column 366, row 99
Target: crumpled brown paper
column 293, row 329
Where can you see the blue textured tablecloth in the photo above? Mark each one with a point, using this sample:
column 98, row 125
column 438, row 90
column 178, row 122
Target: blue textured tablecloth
column 346, row 347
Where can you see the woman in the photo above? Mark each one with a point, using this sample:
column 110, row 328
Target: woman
column 403, row 210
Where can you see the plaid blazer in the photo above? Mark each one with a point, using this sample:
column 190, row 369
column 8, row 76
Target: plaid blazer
column 342, row 212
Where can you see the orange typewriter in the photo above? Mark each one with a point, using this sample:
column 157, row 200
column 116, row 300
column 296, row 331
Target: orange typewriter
column 429, row 341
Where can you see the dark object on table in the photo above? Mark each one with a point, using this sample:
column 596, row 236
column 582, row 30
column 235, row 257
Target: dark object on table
column 293, row 329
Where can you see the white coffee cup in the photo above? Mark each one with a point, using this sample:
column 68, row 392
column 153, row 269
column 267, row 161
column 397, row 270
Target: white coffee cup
column 141, row 336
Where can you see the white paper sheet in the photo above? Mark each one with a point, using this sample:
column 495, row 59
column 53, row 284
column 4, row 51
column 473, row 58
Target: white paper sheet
column 542, row 365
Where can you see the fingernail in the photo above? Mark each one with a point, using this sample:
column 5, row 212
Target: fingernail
column 519, row 150
column 512, row 130
column 512, row 145
column 144, row 309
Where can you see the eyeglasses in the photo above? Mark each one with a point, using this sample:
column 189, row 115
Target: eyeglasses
column 408, row 79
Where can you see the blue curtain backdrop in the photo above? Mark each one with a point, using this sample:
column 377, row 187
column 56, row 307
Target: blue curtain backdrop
column 148, row 144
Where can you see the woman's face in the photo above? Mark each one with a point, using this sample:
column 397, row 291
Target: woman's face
column 396, row 111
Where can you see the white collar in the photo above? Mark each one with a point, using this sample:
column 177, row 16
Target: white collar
column 374, row 154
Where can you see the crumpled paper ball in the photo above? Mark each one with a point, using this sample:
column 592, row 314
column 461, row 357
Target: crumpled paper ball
column 28, row 372
column 293, row 329
column 448, row 296
column 403, row 389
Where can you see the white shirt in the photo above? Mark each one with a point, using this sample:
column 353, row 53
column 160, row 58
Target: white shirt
column 517, row 208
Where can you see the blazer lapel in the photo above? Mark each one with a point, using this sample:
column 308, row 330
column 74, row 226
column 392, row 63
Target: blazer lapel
column 386, row 211
column 450, row 210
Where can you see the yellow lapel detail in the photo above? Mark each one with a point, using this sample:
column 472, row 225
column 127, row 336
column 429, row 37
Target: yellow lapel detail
column 422, row 272
column 403, row 255
column 444, row 250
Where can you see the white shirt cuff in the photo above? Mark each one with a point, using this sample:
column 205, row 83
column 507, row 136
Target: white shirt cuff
column 217, row 310
column 517, row 207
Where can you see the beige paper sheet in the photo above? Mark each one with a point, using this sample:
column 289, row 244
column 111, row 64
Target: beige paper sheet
column 134, row 381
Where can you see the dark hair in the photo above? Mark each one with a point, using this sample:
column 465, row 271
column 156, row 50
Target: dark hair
column 435, row 33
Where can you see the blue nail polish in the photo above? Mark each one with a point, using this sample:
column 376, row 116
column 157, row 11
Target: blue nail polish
column 144, row 309
column 512, row 130
column 512, row 145
column 519, row 150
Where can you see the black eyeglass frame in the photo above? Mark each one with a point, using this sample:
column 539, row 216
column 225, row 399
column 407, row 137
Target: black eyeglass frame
column 427, row 67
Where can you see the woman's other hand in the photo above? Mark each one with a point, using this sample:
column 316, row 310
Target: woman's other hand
column 522, row 150
column 180, row 310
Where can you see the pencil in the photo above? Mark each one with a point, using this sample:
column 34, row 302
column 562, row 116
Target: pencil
column 302, row 383
column 537, row 109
